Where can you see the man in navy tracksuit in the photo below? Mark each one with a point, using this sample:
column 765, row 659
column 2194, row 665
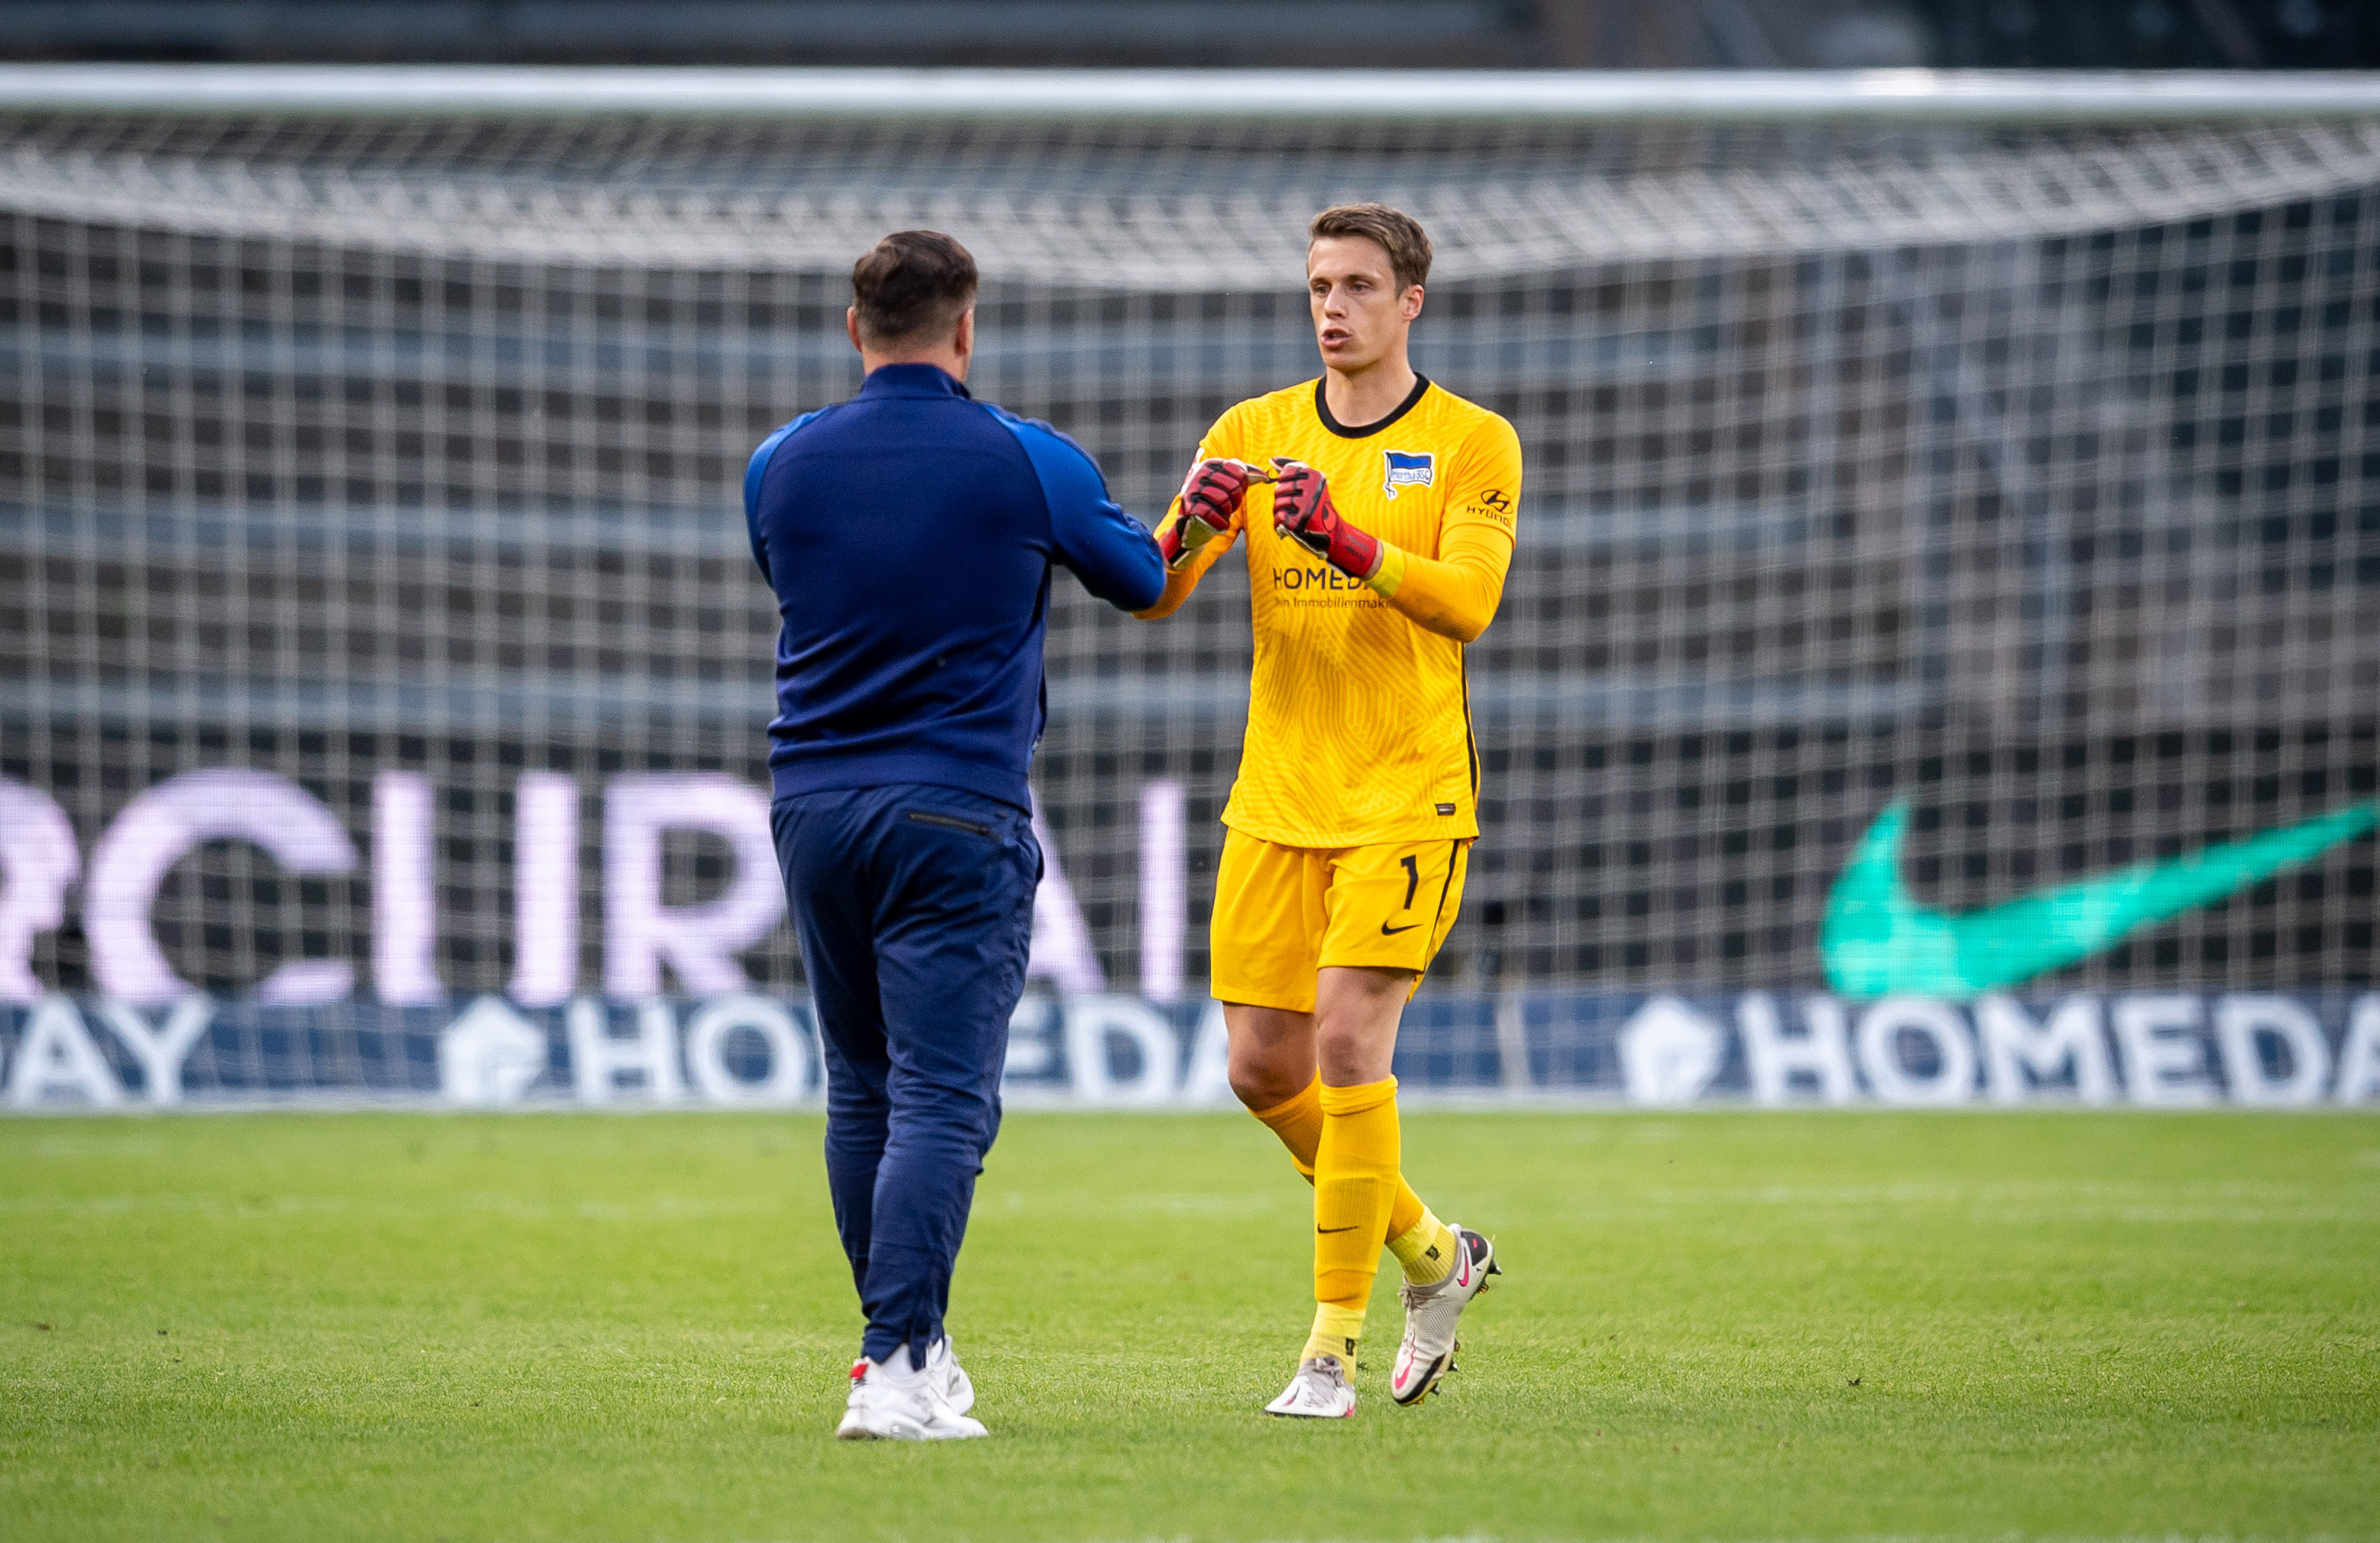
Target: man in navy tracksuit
column 909, row 534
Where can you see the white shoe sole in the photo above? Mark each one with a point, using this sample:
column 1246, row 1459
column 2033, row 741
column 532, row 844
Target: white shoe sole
column 897, row 1429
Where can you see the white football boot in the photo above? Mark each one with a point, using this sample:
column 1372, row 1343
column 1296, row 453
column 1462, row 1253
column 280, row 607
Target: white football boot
column 1426, row 1353
column 943, row 1366
column 1318, row 1392
column 893, row 1402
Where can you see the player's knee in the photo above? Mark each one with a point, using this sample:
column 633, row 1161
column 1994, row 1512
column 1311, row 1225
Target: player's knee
column 1260, row 1085
column 1354, row 1050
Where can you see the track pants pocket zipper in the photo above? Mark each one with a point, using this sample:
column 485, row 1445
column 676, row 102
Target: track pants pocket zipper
column 946, row 821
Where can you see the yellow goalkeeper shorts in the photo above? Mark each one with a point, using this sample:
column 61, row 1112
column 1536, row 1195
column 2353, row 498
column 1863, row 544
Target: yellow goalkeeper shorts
column 1283, row 912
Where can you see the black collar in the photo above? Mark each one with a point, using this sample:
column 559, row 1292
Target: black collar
column 1322, row 410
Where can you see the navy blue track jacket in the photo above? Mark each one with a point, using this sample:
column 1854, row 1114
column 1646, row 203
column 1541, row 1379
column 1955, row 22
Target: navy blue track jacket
column 909, row 533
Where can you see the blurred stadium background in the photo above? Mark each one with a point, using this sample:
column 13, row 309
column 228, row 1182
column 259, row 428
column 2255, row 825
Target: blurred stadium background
column 2015, row 459
column 1490, row 34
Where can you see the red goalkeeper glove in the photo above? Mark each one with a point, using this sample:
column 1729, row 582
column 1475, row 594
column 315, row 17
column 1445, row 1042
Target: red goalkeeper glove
column 1302, row 510
column 1211, row 497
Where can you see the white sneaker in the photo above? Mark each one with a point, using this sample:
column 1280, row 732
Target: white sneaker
column 943, row 1366
column 1318, row 1392
column 891, row 1402
column 1427, row 1352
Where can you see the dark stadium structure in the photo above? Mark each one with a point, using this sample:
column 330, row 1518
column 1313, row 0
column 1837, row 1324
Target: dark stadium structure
column 1604, row 34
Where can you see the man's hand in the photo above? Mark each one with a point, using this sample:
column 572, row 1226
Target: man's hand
column 1302, row 510
column 1211, row 497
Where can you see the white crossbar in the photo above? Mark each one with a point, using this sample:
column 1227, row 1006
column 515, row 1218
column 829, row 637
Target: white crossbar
column 1919, row 96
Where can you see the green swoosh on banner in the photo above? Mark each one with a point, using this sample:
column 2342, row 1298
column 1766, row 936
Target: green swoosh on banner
column 1878, row 940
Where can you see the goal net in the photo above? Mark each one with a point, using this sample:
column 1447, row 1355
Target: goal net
column 2014, row 465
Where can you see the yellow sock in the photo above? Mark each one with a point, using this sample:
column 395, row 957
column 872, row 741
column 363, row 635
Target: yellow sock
column 1336, row 1329
column 1298, row 1121
column 1354, row 1186
column 1425, row 1248
column 1403, row 1217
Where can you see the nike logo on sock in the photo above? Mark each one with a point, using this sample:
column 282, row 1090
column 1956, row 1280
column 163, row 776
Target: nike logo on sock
column 1388, row 932
column 1346, row 1228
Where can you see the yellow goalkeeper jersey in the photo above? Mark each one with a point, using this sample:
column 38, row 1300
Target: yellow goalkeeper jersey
column 1359, row 718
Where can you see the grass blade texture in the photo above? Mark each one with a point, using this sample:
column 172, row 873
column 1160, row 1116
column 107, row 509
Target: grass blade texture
column 1717, row 1325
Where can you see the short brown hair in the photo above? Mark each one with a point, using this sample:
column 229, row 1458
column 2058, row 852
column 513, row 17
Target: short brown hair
column 1399, row 235
column 912, row 284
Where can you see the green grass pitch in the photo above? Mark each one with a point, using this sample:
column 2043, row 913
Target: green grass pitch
column 1717, row 1325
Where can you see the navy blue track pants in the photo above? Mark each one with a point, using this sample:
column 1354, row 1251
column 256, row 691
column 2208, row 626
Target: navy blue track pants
column 913, row 904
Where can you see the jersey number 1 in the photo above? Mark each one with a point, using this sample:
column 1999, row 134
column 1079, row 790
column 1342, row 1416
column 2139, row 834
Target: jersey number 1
column 1413, row 879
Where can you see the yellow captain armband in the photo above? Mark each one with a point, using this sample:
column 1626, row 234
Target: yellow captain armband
column 1390, row 577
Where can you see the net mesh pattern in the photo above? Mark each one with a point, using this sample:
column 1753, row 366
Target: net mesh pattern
column 1182, row 209
column 2027, row 474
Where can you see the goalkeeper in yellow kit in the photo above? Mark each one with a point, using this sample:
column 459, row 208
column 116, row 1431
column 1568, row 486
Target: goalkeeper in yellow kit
column 1379, row 511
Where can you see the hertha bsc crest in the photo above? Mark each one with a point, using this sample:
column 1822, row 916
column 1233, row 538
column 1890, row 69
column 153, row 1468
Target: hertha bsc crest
column 1409, row 470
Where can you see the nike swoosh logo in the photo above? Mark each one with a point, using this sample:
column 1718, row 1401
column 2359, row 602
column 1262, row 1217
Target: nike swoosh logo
column 1388, row 932
column 1878, row 940
column 1336, row 1228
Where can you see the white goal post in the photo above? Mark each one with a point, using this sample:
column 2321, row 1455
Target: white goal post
column 1568, row 97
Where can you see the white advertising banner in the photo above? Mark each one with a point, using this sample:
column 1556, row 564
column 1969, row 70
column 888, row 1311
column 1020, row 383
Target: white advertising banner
column 740, row 1049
